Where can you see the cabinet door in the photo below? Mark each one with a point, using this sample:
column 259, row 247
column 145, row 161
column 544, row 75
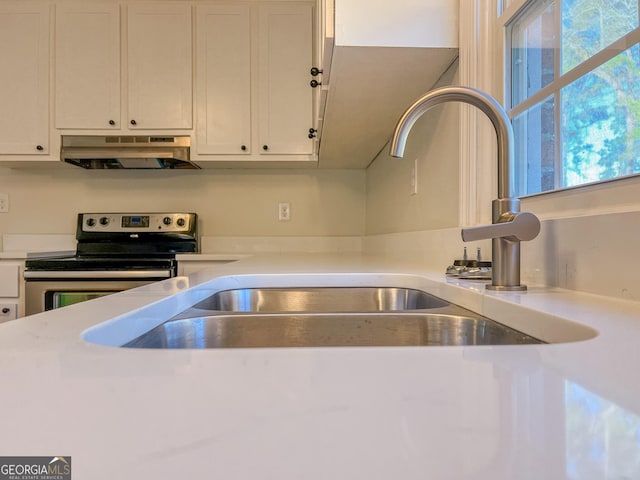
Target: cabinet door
column 223, row 79
column 285, row 97
column 24, row 78
column 159, row 66
column 11, row 290
column 87, row 65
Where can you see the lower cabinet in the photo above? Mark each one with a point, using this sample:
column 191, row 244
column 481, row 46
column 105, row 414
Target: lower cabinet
column 11, row 290
column 8, row 311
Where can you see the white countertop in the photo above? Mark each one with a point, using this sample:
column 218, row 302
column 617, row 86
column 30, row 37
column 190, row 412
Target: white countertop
column 23, row 254
column 557, row 411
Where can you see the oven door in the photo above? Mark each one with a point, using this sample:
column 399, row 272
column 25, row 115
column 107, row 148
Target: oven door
column 42, row 295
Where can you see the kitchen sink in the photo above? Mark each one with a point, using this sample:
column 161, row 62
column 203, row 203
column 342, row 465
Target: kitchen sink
column 326, row 316
column 317, row 300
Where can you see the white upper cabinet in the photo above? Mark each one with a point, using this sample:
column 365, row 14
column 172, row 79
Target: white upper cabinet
column 154, row 74
column 24, row 78
column 130, row 67
column 87, row 65
column 159, row 66
column 254, row 101
column 223, row 79
column 285, row 96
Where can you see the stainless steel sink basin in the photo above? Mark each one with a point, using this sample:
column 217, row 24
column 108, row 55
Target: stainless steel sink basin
column 331, row 330
column 316, row 300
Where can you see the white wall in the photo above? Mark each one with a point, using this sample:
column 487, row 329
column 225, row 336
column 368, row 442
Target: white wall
column 589, row 235
column 229, row 202
column 434, row 141
column 399, row 23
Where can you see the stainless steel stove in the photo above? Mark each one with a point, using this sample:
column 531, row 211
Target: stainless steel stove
column 115, row 252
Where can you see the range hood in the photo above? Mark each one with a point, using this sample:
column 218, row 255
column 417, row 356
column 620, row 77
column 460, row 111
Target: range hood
column 138, row 152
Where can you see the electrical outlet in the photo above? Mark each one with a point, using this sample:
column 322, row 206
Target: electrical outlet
column 284, row 211
column 414, row 178
column 4, row 202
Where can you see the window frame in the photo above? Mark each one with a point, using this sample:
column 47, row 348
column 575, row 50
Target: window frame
column 510, row 13
column 483, row 65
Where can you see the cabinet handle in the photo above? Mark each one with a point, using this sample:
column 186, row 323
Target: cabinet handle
column 112, row 122
column 312, row 133
column 39, row 147
column 133, row 122
column 243, row 148
column 265, row 147
column 315, row 83
column 315, row 71
column 6, row 310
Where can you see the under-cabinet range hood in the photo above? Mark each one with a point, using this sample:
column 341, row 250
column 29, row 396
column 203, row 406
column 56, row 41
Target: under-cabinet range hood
column 127, row 152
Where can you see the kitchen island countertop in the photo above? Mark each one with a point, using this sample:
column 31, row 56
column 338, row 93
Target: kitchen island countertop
column 568, row 410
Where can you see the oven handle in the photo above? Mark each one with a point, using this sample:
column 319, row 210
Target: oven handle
column 95, row 274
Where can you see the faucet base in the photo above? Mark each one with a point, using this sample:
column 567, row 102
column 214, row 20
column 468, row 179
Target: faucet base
column 505, row 288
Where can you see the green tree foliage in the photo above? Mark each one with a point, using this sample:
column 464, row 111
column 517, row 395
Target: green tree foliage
column 600, row 111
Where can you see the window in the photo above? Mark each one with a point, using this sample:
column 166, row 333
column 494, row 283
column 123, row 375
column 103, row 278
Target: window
column 574, row 92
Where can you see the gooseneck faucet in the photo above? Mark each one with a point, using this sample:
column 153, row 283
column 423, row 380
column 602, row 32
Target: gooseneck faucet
column 510, row 226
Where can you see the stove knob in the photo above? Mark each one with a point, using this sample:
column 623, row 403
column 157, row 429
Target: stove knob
column 180, row 222
column 91, row 222
column 166, row 220
column 104, row 221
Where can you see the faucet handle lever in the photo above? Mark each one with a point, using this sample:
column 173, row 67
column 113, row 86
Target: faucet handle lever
column 522, row 226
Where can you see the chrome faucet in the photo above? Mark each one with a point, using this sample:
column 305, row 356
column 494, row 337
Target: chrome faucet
column 510, row 226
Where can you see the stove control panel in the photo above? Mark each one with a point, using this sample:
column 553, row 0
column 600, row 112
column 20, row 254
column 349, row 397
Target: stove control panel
column 138, row 222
